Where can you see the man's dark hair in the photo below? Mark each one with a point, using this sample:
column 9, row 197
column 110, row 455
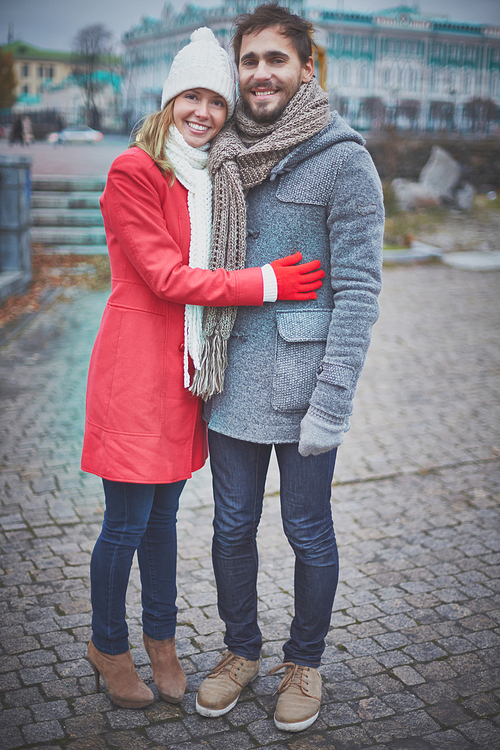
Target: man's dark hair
column 296, row 29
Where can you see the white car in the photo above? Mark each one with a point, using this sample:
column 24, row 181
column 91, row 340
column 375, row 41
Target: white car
column 76, row 134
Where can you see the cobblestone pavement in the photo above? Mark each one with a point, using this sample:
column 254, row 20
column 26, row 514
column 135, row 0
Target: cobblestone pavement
column 412, row 661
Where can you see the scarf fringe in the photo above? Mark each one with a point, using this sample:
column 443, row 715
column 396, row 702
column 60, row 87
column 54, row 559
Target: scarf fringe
column 209, row 379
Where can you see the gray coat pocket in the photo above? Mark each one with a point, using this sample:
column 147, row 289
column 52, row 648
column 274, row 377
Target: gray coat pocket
column 300, row 346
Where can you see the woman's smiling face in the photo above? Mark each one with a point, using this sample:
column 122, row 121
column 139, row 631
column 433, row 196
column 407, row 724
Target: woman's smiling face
column 199, row 114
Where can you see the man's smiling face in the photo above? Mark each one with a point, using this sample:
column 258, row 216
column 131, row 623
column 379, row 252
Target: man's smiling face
column 270, row 73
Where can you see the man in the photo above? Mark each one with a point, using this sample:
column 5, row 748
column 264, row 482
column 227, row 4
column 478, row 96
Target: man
column 297, row 178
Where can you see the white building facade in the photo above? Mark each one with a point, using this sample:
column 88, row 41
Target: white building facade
column 395, row 67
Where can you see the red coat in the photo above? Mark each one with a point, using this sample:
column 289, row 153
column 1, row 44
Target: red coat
column 142, row 425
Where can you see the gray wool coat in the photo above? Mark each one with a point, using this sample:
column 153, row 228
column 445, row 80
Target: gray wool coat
column 285, row 358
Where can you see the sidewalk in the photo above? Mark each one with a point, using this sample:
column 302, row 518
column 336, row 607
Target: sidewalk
column 413, row 655
column 70, row 159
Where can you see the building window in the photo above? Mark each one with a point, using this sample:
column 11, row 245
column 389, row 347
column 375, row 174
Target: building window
column 347, row 44
column 363, row 77
column 26, row 89
column 49, row 73
column 494, row 86
column 365, row 45
column 25, row 71
column 454, row 52
column 346, row 75
column 469, row 54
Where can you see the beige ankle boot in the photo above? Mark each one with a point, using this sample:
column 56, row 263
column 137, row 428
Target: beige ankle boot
column 118, row 672
column 168, row 674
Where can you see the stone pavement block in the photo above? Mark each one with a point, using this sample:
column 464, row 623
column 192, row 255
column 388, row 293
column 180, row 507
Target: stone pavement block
column 264, row 732
column 168, row 733
column 51, row 710
column 84, row 726
column 37, row 658
column 483, row 733
column 14, row 717
column 12, row 738
column 88, row 743
column 230, row 741
column 449, row 740
column 123, row 719
column 37, row 675
column 43, row 731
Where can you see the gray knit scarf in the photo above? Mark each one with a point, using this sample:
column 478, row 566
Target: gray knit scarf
column 241, row 157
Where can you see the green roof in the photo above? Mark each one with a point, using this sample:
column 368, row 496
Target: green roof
column 30, row 52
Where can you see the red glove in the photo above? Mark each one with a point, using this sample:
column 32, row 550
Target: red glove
column 297, row 282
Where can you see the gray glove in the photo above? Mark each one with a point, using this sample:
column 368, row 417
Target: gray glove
column 320, row 432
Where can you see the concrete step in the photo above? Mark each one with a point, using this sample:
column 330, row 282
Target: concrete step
column 68, row 236
column 66, row 217
column 63, row 183
column 78, row 200
column 65, row 214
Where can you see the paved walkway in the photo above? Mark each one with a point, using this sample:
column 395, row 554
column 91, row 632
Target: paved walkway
column 413, row 655
column 70, row 159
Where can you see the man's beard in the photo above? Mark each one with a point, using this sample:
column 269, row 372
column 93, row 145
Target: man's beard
column 269, row 117
column 264, row 117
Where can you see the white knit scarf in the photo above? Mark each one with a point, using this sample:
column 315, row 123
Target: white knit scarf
column 190, row 169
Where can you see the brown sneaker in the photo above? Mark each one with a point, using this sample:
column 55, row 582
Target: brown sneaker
column 220, row 691
column 300, row 697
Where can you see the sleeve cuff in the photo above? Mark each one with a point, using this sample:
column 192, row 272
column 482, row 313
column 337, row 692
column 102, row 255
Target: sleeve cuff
column 270, row 283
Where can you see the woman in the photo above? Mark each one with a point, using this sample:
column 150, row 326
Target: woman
column 144, row 433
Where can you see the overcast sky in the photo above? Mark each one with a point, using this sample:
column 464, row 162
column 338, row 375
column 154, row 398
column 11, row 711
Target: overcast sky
column 52, row 24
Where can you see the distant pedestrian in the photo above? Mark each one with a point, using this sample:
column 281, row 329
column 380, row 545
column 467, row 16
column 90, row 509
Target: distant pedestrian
column 144, row 432
column 28, row 137
column 16, row 132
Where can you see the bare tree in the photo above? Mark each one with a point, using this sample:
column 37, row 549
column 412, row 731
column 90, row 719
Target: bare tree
column 92, row 52
column 7, row 80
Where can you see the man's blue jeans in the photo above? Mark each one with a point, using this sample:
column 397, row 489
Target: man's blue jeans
column 138, row 517
column 239, row 471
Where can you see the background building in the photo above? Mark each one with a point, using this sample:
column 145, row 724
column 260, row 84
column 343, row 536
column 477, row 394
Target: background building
column 401, row 67
column 49, row 91
column 35, row 67
column 394, row 67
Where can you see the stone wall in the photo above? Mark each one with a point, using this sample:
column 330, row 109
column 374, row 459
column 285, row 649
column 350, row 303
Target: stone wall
column 399, row 155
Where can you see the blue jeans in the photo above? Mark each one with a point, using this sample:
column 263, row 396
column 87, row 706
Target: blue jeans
column 239, row 471
column 138, row 517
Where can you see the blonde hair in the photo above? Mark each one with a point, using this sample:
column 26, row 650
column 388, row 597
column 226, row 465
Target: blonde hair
column 152, row 135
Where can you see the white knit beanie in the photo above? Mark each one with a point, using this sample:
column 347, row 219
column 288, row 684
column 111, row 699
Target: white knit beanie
column 202, row 64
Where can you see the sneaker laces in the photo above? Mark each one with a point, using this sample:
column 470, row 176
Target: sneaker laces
column 226, row 663
column 296, row 674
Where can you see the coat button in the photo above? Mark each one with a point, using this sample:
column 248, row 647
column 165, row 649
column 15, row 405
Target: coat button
column 181, row 347
column 320, row 369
